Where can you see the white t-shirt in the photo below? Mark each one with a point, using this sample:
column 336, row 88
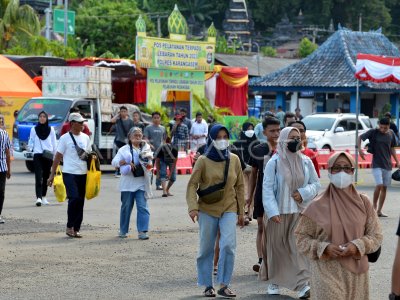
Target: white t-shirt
column 72, row 164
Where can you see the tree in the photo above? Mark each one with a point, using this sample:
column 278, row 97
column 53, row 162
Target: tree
column 17, row 23
column 109, row 25
column 268, row 51
column 199, row 10
column 306, row 47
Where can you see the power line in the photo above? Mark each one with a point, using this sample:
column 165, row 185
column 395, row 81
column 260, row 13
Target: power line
column 161, row 14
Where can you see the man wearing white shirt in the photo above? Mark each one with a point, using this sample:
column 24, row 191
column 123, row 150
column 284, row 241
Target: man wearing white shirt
column 74, row 171
column 198, row 132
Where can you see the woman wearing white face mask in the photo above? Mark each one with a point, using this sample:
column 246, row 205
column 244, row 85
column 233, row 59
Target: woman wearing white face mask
column 216, row 211
column 290, row 183
column 336, row 231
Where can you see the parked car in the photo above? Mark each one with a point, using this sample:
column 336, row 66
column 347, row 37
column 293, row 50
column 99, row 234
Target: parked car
column 335, row 131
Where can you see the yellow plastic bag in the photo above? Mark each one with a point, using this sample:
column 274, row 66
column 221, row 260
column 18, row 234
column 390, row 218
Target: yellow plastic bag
column 59, row 187
column 93, row 181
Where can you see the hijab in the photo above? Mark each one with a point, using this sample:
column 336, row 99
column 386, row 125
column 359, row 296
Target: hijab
column 43, row 130
column 243, row 137
column 290, row 164
column 342, row 214
column 211, row 152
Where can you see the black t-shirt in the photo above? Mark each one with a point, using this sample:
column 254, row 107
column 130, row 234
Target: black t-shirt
column 398, row 230
column 260, row 155
column 382, row 144
column 167, row 153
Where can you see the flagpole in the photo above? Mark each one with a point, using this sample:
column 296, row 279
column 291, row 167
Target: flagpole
column 357, row 122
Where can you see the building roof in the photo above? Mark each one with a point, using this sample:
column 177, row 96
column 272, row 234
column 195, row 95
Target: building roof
column 332, row 65
column 267, row 64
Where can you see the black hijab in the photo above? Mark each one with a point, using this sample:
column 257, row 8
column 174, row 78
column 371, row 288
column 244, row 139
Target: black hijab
column 43, row 130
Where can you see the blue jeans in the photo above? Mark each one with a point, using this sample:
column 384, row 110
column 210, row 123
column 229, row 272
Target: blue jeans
column 143, row 214
column 76, row 189
column 209, row 226
column 163, row 171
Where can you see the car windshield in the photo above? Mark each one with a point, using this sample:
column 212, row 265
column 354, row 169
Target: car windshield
column 55, row 108
column 318, row 123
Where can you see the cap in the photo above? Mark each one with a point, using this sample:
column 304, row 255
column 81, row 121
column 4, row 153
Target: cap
column 76, row 117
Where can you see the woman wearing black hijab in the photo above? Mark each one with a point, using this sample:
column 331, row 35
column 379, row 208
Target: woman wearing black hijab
column 42, row 139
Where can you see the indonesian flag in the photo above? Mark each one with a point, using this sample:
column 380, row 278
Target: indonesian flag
column 377, row 68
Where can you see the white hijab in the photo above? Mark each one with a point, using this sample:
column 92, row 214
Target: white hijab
column 290, row 164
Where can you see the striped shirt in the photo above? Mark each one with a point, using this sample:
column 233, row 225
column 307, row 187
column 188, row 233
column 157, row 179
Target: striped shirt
column 4, row 144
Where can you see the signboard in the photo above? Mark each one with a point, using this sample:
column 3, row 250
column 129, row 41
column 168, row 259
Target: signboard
column 258, row 100
column 8, row 105
column 58, row 21
column 168, row 54
column 160, row 81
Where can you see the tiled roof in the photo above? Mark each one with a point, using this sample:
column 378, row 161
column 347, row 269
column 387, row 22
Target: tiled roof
column 333, row 63
column 267, row 64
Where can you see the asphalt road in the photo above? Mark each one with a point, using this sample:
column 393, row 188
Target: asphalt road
column 37, row 259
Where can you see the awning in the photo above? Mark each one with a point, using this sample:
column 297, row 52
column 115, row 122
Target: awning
column 377, row 68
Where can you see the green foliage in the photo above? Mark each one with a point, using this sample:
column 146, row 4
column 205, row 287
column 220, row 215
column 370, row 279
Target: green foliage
column 268, row 51
column 206, row 108
column 306, row 47
column 199, row 10
column 110, row 25
column 253, row 120
column 38, row 45
column 222, row 45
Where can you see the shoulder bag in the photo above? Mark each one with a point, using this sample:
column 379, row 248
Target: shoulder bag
column 214, row 193
column 46, row 153
column 86, row 156
column 138, row 171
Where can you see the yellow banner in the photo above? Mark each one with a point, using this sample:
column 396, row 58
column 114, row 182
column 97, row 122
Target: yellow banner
column 8, row 105
column 167, row 54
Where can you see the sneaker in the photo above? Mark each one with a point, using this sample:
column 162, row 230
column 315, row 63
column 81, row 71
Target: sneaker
column 70, row 232
column 256, row 268
column 39, row 202
column 44, row 201
column 123, row 235
column 1, row 220
column 304, row 293
column 273, row 289
column 159, row 188
column 77, row 234
column 143, row 236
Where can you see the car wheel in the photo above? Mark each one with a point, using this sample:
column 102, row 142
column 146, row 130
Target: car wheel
column 29, row 166
column 327, row 147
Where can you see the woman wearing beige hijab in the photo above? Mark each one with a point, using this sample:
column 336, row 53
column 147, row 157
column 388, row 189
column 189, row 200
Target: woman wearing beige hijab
column 290, row 183
column 336, row 231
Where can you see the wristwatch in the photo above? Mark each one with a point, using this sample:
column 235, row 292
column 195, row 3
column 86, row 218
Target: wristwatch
column 394, row 297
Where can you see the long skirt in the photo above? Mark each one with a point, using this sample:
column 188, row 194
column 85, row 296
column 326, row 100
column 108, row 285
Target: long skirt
column 285, row 266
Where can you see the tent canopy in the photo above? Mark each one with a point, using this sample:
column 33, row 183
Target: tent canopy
column 14, row 82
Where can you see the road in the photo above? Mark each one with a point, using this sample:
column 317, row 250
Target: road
column 37, row 259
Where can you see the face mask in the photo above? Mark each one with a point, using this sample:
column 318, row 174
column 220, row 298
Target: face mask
column 293, row 146
column 221, row 144
column 249, row 133
column 341, row 180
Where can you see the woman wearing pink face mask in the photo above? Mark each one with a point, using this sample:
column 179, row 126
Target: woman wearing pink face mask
column 336, row 231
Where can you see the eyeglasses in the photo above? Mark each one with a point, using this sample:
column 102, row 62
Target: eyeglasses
column 337, row 169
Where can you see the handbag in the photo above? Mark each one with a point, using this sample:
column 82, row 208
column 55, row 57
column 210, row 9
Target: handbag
column 59, row 187
column 373, row 257
column 138, row 171
column 46, row 153
column 396, row 175
column 214, row 193
column 93, row 182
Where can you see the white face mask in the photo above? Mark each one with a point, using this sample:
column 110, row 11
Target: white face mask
column 341, row 180
column 249, row 133
column 221, row 144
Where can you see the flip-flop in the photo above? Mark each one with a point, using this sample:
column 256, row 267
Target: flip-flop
column 209, row 292
column 382, row 215
column 226, row 292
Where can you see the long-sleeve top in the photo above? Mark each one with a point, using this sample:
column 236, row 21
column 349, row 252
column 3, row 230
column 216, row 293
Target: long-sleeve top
column 37, row 145
column 206, row 173
column 277, row 198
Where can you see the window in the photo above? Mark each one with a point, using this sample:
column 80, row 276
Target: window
column 56, row 109
column 343, row 124
column 318, row 123
column 367, row 123
column 85, row 109
column 352, row 125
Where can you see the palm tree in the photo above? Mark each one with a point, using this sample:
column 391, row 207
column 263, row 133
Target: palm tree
column 217, row 112
column 17, row 23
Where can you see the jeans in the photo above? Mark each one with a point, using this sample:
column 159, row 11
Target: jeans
column 3, row 176
column 163, row 171
column 143, row 213
column 76, row 189
column 208, row 228
column 42, row 172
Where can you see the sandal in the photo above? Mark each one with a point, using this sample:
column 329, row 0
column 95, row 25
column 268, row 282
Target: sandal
column 226, row 292
column 70, row 232
column 164, row 195
column 209, row 292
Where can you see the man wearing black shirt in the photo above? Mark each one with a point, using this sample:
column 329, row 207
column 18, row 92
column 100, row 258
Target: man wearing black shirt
column 260, row 154
column 167, row 157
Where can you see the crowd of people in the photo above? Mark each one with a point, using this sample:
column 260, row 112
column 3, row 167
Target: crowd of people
column 307, row 241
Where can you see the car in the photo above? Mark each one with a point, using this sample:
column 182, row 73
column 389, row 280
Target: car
column 335, row 131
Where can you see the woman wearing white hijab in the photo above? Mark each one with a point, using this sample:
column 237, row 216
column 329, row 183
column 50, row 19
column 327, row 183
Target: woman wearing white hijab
column 290, row 183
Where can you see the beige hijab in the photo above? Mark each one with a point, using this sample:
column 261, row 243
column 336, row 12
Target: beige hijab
column 290, row 165
column 342, row 215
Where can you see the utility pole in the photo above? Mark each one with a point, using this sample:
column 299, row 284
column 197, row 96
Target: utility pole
column 48, row 13
column 360, row 22
column 65, row 23
column 159, row 26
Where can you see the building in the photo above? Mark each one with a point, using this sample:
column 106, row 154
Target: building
column 324, row 81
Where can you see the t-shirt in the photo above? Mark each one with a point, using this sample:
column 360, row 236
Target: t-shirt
column 72, row 164
column 167, row 153
column 280, row 115
column 155, row 134
column 140, row 125
column 122, row 128
column 382, row 144
column 260, row 155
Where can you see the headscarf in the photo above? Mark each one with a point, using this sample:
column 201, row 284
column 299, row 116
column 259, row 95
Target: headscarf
column 246, row 126
column 43, row 130
column 211, row 152
column 341, row 213
column 290, row 165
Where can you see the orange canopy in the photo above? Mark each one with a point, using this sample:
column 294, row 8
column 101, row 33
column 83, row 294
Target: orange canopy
column 14, row 82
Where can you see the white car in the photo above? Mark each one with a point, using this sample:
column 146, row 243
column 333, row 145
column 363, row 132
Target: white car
column 335, row 131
